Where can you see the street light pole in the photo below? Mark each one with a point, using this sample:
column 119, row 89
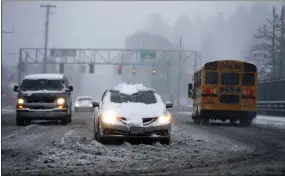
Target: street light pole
column 179, row 71
column 46, row 31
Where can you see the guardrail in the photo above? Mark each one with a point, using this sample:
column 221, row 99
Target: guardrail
column 276, row 108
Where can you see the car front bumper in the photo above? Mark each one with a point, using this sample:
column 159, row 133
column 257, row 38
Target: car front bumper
column 123, row 131
column 83, row 108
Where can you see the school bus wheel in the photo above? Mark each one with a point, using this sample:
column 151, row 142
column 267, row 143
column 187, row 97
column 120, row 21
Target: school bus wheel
column 245, row 122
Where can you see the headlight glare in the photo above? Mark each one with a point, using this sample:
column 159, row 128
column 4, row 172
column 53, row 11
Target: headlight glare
column 109, row 117
column 20, row 101
column 165, row 118
column 60, row 101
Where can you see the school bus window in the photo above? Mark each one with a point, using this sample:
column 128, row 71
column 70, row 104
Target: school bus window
column 230, row 79
column 197, row 79
column 248, row 79
column 211, row 78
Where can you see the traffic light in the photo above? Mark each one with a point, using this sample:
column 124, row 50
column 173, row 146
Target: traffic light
column 134, row 71
column 91, row 68
column 61, row 68
column 153, row 72
column 120, row 69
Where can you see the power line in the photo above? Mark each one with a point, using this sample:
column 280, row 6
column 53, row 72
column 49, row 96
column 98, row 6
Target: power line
column 46, row 31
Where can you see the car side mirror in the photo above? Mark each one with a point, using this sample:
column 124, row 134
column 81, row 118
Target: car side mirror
column 168, row 104
column 16, row 89
column 70, row 88
column 95, row 104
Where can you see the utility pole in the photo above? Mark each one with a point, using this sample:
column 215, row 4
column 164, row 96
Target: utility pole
column 46, row 32
column 179, row 70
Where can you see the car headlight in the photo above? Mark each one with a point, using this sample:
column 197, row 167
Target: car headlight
column 76, row 104
column 166, row 118
column 21, row 101
column 60, row 101
column 109, row 117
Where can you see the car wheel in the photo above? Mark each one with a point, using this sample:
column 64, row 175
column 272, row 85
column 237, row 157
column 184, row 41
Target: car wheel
column 165, row 141
column 98, row 138
column 95, row 133
column 20, row 122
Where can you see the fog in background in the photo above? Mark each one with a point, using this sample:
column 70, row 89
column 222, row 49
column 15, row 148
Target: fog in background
column 217, row 30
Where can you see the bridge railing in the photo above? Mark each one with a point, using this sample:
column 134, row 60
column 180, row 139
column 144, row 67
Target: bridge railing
column 275, row 108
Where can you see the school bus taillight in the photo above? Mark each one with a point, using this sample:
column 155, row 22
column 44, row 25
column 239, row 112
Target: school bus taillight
column 212, row 91
column 249, row 92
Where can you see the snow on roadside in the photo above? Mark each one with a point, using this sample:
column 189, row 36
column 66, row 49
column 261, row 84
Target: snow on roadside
column 7, row 110
column 270, row 121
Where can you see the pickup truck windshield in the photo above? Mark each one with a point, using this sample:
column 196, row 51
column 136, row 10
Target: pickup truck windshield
column 41, row 84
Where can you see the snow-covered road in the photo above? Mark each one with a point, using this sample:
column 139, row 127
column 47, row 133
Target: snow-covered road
column 218, row 149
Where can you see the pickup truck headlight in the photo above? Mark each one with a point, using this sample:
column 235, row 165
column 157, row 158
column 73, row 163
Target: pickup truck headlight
column 21, row 101
column 60, row 101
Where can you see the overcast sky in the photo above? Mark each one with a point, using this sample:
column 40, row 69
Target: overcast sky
column 92, row 24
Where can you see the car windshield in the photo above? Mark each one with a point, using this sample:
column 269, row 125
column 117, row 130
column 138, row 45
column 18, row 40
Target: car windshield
column 84, row 99
column 146, row 97
column 41, row 84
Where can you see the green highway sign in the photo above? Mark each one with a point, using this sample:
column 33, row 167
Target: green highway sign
column 147, row 54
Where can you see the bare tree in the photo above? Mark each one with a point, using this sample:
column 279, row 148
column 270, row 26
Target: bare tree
column 281, row 42
column 267, row 47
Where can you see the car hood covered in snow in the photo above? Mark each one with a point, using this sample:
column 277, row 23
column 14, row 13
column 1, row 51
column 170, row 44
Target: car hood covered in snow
column 134, row 112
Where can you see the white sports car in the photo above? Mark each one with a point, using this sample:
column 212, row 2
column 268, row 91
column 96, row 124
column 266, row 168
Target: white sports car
column 132, row 111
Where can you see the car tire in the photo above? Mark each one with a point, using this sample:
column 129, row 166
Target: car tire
column 97, row 136
column 165, row 141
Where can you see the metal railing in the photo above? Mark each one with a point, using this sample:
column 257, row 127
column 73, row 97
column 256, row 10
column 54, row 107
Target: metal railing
column 275, row 108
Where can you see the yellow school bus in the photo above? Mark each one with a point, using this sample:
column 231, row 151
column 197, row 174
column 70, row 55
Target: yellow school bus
column 224, row 90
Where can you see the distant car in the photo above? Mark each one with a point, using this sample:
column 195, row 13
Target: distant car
column 44, row 97
column 83, row 103
column 132, row 111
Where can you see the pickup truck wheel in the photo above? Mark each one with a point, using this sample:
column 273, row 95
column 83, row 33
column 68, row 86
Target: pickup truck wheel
column 70, row 117
column 20, row 122
column 65, row 120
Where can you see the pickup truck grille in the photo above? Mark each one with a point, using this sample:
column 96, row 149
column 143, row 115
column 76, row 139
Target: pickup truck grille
column 41, row 99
